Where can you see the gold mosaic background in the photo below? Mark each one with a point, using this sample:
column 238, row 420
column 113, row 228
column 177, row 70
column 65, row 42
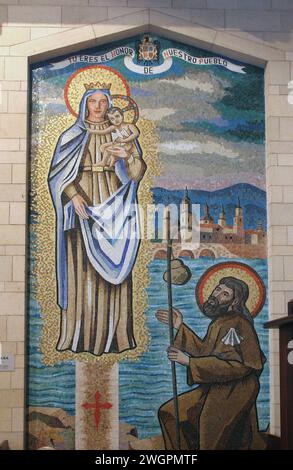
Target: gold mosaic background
column 44, row 243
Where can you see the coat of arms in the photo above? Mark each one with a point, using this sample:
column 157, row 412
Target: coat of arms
column 148, row 50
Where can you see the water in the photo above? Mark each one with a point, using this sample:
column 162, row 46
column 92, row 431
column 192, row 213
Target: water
column 49, row 386
column 147, row 384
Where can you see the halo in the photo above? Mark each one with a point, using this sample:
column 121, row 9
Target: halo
column 210, row 279
column 128, row 106
column 74, row 87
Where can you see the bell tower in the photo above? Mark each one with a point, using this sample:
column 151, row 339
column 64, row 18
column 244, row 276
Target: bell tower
column 207, row 218
column 222, row 218
column 186, row 218
column 238, row 225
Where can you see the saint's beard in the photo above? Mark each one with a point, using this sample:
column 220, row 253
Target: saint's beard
column 212, row 309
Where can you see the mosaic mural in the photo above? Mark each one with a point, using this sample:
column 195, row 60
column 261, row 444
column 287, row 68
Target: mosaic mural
column 148, row 251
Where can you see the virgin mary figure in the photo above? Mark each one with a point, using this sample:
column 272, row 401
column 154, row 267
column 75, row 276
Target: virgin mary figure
column 97, row 232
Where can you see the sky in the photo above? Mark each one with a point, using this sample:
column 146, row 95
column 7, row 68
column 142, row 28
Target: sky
column 210, row 120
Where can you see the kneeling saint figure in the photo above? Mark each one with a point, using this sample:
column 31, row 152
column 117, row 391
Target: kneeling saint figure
column 220, row 413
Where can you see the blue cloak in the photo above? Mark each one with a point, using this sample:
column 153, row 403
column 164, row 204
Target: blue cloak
column 111, row 234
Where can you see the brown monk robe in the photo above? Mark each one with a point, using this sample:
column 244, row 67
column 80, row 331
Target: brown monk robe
column 220, row 413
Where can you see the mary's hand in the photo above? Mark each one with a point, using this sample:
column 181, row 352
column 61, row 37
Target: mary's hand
column 119, row 152
column 79, row 205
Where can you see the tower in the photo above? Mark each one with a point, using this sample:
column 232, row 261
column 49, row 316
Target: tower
column 186, row 218
column 207, row 218
column 238, row 225
column 186, row 199
column 222, row 218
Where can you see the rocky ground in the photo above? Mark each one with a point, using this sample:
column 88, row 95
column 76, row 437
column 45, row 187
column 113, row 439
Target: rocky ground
column 54, row 428
column 50, row 427
column 129, row 439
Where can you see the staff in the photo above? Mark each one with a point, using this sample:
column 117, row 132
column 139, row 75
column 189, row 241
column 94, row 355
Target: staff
column 171, row 327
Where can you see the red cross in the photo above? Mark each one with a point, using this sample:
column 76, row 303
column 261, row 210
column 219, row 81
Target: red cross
column 97, row 406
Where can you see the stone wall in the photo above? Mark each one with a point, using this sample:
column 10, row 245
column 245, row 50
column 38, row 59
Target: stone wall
column 257, row 31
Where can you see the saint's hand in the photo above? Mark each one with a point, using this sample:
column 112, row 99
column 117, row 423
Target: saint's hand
column 79, row 205
column 163, row 317
column 176, row 355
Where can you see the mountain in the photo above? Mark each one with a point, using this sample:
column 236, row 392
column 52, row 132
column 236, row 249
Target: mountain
column 252, row 200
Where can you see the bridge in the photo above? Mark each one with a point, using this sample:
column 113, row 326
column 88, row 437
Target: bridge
column 211, row 250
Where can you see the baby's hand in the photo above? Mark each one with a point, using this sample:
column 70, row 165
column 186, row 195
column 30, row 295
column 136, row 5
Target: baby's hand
column 119, row 140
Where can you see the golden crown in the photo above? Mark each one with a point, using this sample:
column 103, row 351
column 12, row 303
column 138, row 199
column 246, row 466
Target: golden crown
column 97, row 86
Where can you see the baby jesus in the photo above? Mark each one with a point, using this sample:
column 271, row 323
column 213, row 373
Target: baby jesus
column 123, row 134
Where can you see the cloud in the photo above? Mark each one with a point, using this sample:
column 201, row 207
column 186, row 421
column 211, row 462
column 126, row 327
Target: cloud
column 187, row 110
column 54, row 100
column 192, row 98
column 48, row 93
column 156, row 114
column 182, row 146
column 189, row 146
column 192, row 83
